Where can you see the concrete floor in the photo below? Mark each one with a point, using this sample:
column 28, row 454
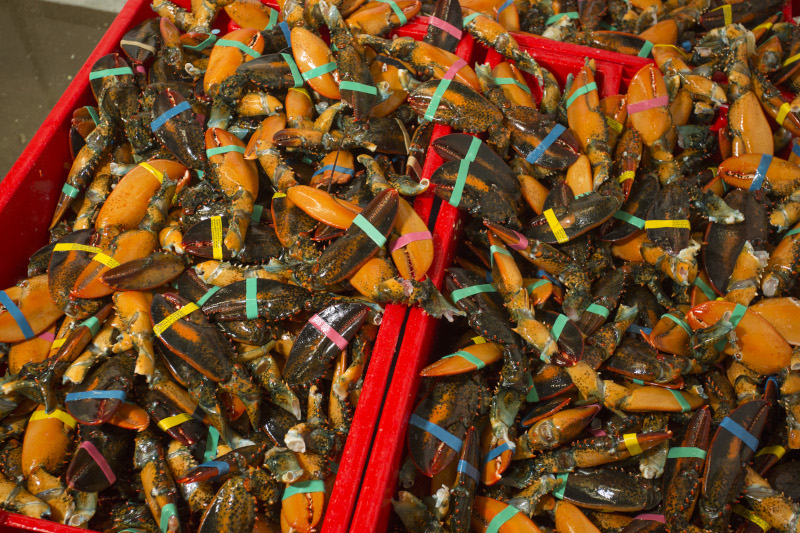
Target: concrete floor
column 44, row 45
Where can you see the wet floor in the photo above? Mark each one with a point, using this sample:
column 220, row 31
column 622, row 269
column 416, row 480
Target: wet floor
column 44, row 45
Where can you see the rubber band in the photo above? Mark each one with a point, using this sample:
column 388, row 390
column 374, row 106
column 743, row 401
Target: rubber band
column 172, row 421
column 726, row 13
column 739, row 432
column 795, row 231
column 304, row 487
column 744, row 512
column 505, row 5
column 241, row 46
column 778, row 451
column 497, row 451
column 630, row 219
column 638, row 107
column 463, row 171
column 408, row 238
column 536, row 284
column 221, row 466
column 445, row 26
column 334, row 168
column 555, row 18
column 439, row 432
column 782, row 113
column 357, row 87
column 467, row 357
column 638, row 381
column 645, row 50
column 451, row 72
column 547, row 275
column 501, row 518
column 791, row 60
column 598, row 310
column 162, row 326
column 605, row 25
column 493, row 249
column 321, row 70
column 632, row 443
column 120, row 71
column 211, row 444
column 651, row 517
column 472, row 16
column 105, row 260
column 512, row 81
column 614, row 125
column 539, row 151
column 298, row 78
column 217, row 150
column 682, row 323
column 326, row 329
column 137, row 44
column 413, row 164
column 523, row 241
column 659, row 224
column 64, row 416
column 761, row 172
column 96, row 395
column 371, row 231
column 70, row 191
column 71, row 247
column 625, row 176
column 737, row 314
column 92, row 323
column 390, row 61
column 533, row 395
column 478, row 340
column 685, row 407
column 211, row 39
column 686, row 452
column 168, row 114
column 397, row 11
column 559, row 491
column 796, row 148
column 433, row 105
column 251, row 298
column 766, row 25
column 558, row 326
column 468, row 469
column 100, row 460
column 257, row 212
column 708, row 291
column 555, row 226
column 581, row 91
column 148, row 167
column 459, row 294
column 273, row 18
column 17, row 315
column 167, row 512
column 93, row 113
column 636, row 329
column 47, row 336
column 287, row 34
column 58, row 343
column 216, row 237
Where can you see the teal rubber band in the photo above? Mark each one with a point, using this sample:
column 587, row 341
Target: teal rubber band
column 682, row 323
column 321, row 70
column 795, row 231
column 211, row 39
column 685, row 407
column 207, row 295
column 737, row 314
column 499, row 250
column 598, row 310
column 211, row 445
column 559, row 491
column 605, row 25
column 257, row 211
column 555, row 18
column 93, row 324
column 273, row 18
column 581, row 195
column 469, row 18
column 298, row 79
column 225, row 149
column 371, row 231
column 467, row 356
column 638, row 381
column 93, row 113
column 357, row 87
column 241, row 46
column 459, row 294
column 501, row 518
column 512, row 81
column 681, row 452
column 646, row 48
column 121, row 71
column 533, row 394
column 708, row 291
column 167, row 512
column 536, row 284
column 581, row 91
column 397, row 10
column 304, row 487
column 70, row 191
column 463, row 169
column 558, row 326
column 251, row 298
column 433, row 105
column 630, row 219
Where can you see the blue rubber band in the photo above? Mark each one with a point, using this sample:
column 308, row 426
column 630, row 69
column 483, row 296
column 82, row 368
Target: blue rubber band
column 796, row 148
column 635, row 329
column 469, row 18
column 440, row 433
column 17, row 315
column 777, row 385
column 761, row 172
column 221, row 466
column 795, row 231
column 286, row 32
column 458, row 294
column 553, row 280
column 737, row 314
column 559, row 491
column 498, row 451
column 251, row 298
column 298, row 78
column 738, row 431
column 505, row 5
column 537, row 152
column 467, row 357
column 580, row 91
column 335, row 168
column 239, row 46
column 121, row 71
column 536, row 284
column 638, row 381
column 397, row 11
column 468, row 469
column 257, row 211
column 533, row 394
column 321, row 70
column 371, row 231
column 168, row 114
column 682, row 323
column 557, row 17
column 97, row 395
column 708, row 291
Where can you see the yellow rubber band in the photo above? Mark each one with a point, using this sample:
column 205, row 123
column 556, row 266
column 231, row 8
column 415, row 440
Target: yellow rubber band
column 162, row 326
column 766, row 25
column 478, row 340
column 632, row 443
column 728, row 14
column 614, row 125
column 278, row 195
column 58, row 343
column 148, row 167
column 216, row 237
column 682, row 51
column 656, row 224
column 174, row 420
column 750, row 515
column 777, row 451
column 71, row 247
column 555, row 226
column 627, row 175
column 110, row 262
column 791, row 60
column 782, row 112
column 58, row 413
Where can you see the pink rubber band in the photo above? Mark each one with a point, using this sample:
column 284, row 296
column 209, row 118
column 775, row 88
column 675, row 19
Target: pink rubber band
column 522, row 244
column 326, row 329
column 648, row 104
column 651, row 517
column 445, row 26
column 597, row 432
column 453, row 70
column 140, row 69
column 409, row 238
column 48, row 336
column 100, row 460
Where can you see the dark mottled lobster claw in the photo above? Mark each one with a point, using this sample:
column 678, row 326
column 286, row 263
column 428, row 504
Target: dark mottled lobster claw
column 155, row 270
column 177, row 424
column 95, row 400
column 582, row 215
column 103, row 454
column 455, row 147
column 148, row 35
column 568, row 336
column 260, row 242
column 670, row 204
column 445, row 32
column 274, row 300
column 529, row 129
column 176, row 127
column 641, row 197
column 65, row 267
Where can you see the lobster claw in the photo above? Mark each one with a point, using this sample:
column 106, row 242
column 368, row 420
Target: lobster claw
column 302, row 511
column 32, row 301
column 181, row 134
column 485, row 509
column 456, row 146
column 233, row 508
column 681, row 484
column 274, row 300
column 260, row 242
column 63, row 270
column 103, row 453
column 155, row 270
column 95, row 400
column 448, row 11
column 561, row 223
column 529, row 130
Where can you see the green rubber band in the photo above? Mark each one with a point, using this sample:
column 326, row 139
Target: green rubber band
column 638, row 381
column 499, row 250
column 682, row 323
column 795, row 231
column 536, row 284
column 257, row 211
column 598, row 310
column 433, row 105
column 304, row 487
column 468, row 357
column 469, row 18
column 558, row 326
column 555, row 18
column 357, row 87
column 708, row 291
column 397, row 10
column 211, row 39
column 273, row 18
column 251, row 298
column 321, row 70
column 681, row 452
column 298, row 79
column 167, row 512
column 93, row 324
column 459, row 294
column 685, row 407
column 93, row 113
column 463, row 170
column 501, row 518
column 737, row 314
column 512, row 81
column 630, row 219
column 241, row 46
column 371, row 231
column 211, row 445
column 225, row 149
column 607, row 26
column 70, row 191
column 533, row 394
column 646, row 48
column 121, row 71
column 581, row 91
column 207, row 295
column 559, row 491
